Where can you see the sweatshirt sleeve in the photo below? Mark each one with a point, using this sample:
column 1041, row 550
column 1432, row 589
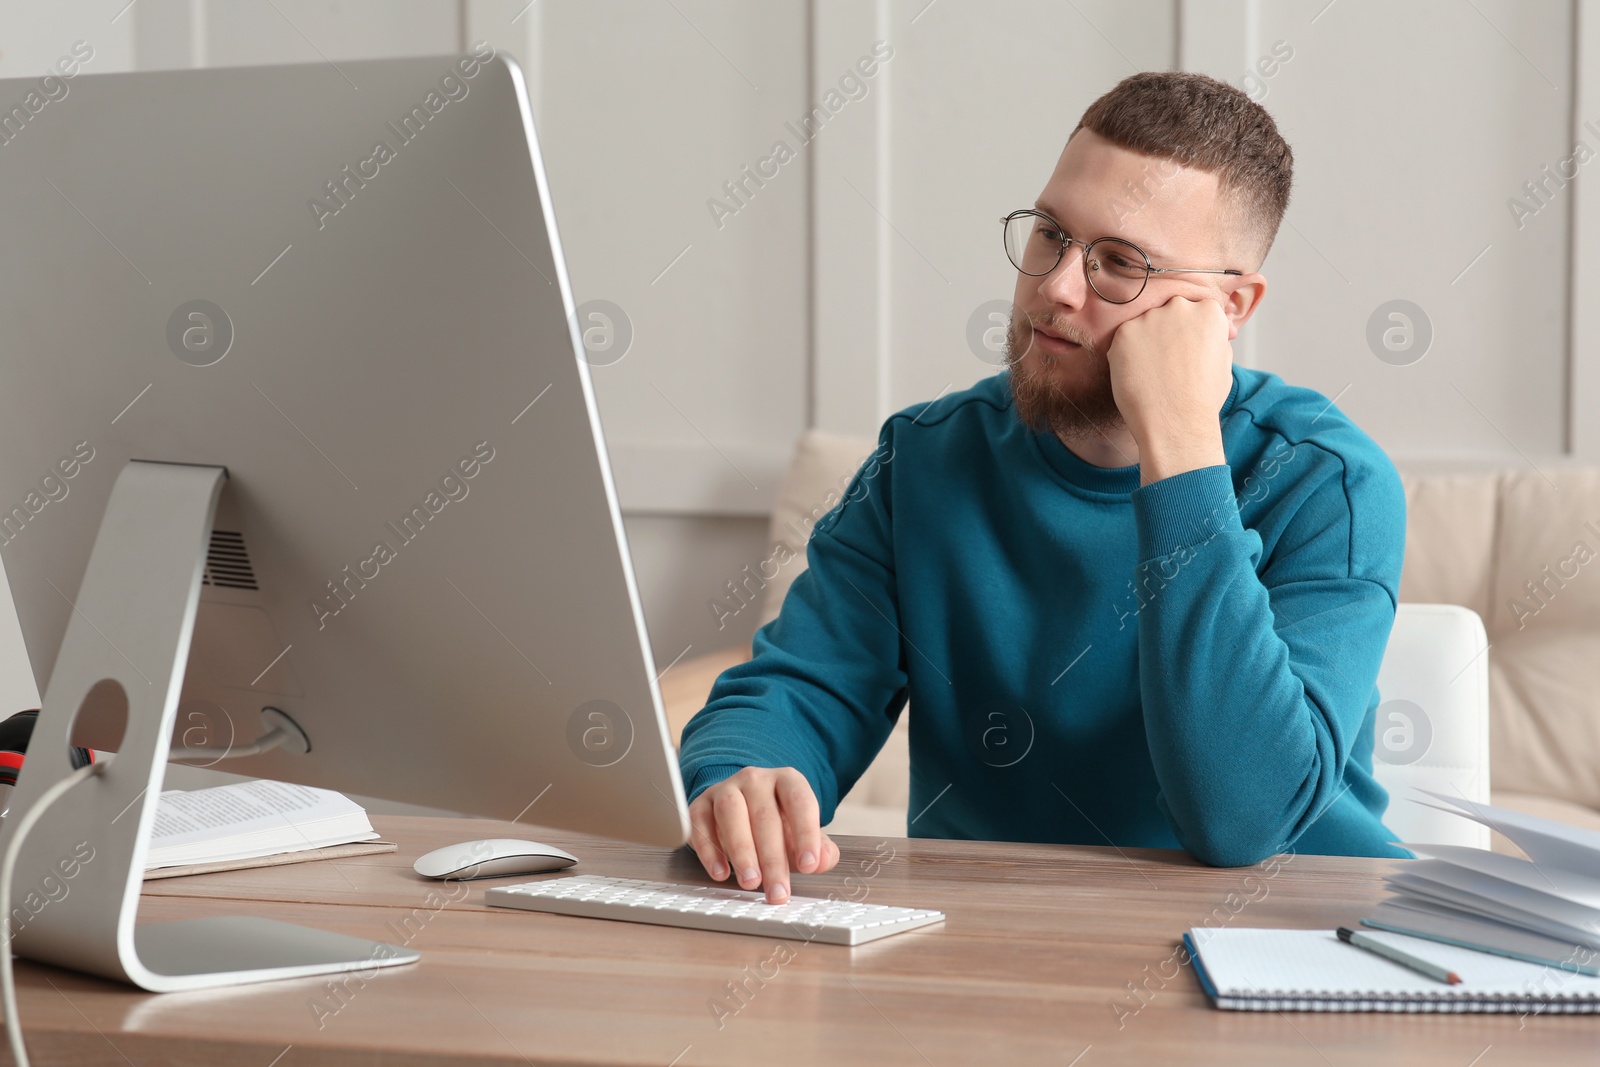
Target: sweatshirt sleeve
column 1256, row 680
column 826, row 680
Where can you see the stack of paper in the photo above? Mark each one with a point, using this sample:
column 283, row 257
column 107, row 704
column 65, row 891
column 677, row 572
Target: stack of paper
column 1543, row 909
column 250, row 819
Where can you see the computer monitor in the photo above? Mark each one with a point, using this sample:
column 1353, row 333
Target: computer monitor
column 342, row 286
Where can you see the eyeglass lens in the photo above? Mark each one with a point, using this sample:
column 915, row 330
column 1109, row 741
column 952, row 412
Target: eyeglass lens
column 1116, row 269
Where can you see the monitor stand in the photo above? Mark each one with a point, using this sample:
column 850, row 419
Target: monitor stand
column 81, row 867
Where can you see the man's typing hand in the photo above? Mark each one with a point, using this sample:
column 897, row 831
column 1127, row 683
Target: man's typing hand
column 760, row 824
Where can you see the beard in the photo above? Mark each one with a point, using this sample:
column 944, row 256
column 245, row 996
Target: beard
column 1070, row 396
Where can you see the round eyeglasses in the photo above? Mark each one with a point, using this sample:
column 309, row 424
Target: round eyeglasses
column 1115, row 269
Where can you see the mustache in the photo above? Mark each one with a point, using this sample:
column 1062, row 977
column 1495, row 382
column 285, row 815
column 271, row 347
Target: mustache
column 1061, row 328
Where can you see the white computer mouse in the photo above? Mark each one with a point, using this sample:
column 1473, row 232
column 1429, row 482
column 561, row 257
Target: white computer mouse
column 491, row 858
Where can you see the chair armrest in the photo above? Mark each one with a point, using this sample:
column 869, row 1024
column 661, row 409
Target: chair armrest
column 685, row 687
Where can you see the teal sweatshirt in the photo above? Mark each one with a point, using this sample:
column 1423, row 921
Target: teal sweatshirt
column 1188, row 664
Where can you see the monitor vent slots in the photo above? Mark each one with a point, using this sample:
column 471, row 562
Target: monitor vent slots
column 227, row 562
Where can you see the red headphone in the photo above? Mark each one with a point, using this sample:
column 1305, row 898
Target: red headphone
column 14, row 735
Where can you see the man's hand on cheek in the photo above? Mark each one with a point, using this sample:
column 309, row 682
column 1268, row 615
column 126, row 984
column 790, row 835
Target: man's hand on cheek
column 1171, row 370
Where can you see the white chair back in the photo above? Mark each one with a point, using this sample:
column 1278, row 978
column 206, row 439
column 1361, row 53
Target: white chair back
column 1433, row 722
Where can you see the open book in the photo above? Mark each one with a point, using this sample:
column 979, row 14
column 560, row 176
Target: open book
column 1543, row 909
column 246, row 820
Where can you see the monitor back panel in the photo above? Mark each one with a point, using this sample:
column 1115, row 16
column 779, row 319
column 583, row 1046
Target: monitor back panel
column 342, row 284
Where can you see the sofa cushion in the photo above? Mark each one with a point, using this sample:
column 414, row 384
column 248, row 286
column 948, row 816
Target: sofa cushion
column 1544, row 807
column 1450, row 533
column 1547, row 560
column 818, row 478
column 1544, row 630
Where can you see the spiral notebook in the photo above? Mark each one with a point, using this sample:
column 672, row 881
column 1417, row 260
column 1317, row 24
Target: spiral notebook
column 1312, row 970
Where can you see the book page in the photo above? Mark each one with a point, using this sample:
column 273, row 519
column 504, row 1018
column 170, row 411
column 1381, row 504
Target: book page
column 1490, row 893
column 1569, row 885
column 1546, row 841
column 186, row 817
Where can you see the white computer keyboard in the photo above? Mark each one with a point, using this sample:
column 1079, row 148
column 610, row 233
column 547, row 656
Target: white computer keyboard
column 734, row 911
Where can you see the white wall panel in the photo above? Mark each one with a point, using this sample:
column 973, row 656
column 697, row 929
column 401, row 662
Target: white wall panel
column 310, row 31
column 976, row 107
column 1413, row 124
column 32, row 41
column 648, row 110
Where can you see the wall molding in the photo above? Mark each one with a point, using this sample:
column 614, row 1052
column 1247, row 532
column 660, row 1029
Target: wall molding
column 1583, row 316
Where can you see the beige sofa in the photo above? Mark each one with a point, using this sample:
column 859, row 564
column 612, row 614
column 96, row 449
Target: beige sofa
column 1519, row 546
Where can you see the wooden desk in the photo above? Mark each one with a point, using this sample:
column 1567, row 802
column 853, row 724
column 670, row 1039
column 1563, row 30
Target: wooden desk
column 1034, row 965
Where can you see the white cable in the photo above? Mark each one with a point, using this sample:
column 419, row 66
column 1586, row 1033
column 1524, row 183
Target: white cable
column 8, row 985
column 273, row 738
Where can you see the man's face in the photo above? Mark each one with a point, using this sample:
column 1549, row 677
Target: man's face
column 1062, row 329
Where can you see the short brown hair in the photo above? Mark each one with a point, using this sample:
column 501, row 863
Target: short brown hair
column 1197, row 121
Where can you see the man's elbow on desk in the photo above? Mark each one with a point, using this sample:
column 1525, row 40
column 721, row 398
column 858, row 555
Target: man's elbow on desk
column 1231, row 837
column 1235, row 835
column 1230, row 849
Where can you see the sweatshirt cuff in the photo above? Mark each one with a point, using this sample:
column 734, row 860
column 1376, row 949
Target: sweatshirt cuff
column 1186, row 509
column 706, row 777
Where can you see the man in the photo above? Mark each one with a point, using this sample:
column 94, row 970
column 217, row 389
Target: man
column 1135, row 595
